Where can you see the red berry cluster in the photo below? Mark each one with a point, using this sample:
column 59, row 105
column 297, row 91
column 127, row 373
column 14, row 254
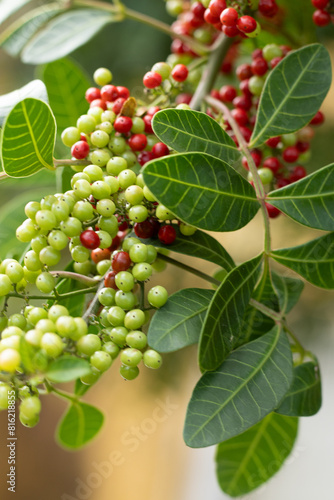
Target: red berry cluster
column 322, row 16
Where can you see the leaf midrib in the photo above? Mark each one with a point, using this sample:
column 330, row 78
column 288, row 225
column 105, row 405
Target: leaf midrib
column 33, row 140
column 246, row 381
column 306, row 261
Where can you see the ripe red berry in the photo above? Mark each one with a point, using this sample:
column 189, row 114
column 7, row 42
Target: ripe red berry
column 227, row 93
column 152, row 80
column 122, row 222
column 259, row 66
column 144, row 229
column 318, row 118
column 118, row 105
column 283, row 182
column 115, row 243
column 198, row 9
column 148, row 124
column 291, row 154
column 257, row 157
column 121, row 261
column 321, row 18
column 229, row 17
column 109, row 93
column 275, row 61
column 109, row 280
column 273, row 164
column 167, row 234
column 123, row 92
column 183, row 98
column 257, row 53
column 243, row 102
column 246, row 24
column 80, row 150
column 216, row 7
column 268, row 8
column 144, row 157
column 240, row 116
column 100, row 254
column 92, row 93
column 320, row 4
column 231, row 32
column 303, row 146
column 123, row 124
column 273, row 142
column 297, row 173
column 209, row 18
column 160, row 149
column 180, row 73
column 153, row 110
column 90, row 239
column 244, row 71
column 98, row 103
column 273, row 212
column 138, row 142
column 244, row 87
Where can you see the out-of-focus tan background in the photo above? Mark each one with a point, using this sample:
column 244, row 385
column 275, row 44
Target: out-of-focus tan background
column 140, row 452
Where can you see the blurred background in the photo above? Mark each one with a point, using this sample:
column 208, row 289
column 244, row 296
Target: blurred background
column 140, row 452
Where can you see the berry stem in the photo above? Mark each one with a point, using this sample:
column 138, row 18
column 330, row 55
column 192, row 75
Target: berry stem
column 259, row 189
column 85, row 280
column 53, row 296
column 210, row 73
column 68, row 163
column 94, row 306
column 62, row 394
column 124, row 12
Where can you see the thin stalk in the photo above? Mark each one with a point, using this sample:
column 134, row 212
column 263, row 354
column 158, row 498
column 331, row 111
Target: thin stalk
column 211, row 71
column 189, row 269
column 68, row 163
column 85, row 280
column 259, row 189
column 276, row 316
column 53, row 296
column 94, row 305
column 62, row 394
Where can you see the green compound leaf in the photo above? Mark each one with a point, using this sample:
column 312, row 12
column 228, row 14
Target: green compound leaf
column 35, row 89
column 79, row 425
column 179, row 323
column 200, row 245
column 304, row 396
column 314, row 260
column 187, row 130
column 288, row 291
column 64, row 34
column 203, row 191
column 66, row 84
column 223, row 321
column 293, row 93
column 9, row 7
column 28, row 139
column 309, row 201
column 15, row 37
column 249, row 460
column 67, row 368
column 248, row 385
column 255, row 323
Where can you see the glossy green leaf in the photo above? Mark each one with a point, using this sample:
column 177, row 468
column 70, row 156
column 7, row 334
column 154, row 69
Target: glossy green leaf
column 314, row 260
column 67, row 368
column 293, row 93
column 9, row 7
column 186, row 130
column 203, row 191
column 66, row 84
column 248, row 385
column 222, row 324
column 200, row 245
column 255, row 323
column 288, row 291
column 179, row 323
column 309, row 201
column 14, row 38
column 79, row 425
column 304, row 396
column 64, row 34
column 35, row 89
column 245, row 462
column 28, row 139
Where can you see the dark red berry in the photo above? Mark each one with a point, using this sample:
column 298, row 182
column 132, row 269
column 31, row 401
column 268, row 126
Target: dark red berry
column 118, row 105
column 160, row 149
column 209, row 18
column 229, row 17
column 257, row 53
column 227, row 93
column 273, row 142
column 290, row 154
column 240, row 116
column 90, row 239
column 244, row 71
column 243, row 102
column 152, row 80
column 138, row 142
column 121, row 261
column 180, row 73
column 321, row 18
column 109, row 93
column 231, row 32
column 167, row 234
column 144, row 229
column 80, row 150
column 273, row 164
column 92, row 93
column 303, row 146
column 320, row 4
column 123, row 92
column 283, row 182
column 98, row 103
column 259, row 66
column 244, row 87
column 275, row 61
column 246, row 24
column 285, row 49
column 109, row 280
column 268, row 8
column 148, row 124
column 183, row 98
column 123, row 124
column 216, row 7
column 115, row 243
column 273, row 212
column 144, row 157
column 297, row 173
column 198, row 9
column 100, row 254
column 318, row 119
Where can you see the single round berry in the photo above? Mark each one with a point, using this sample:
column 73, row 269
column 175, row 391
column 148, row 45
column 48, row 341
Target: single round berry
column 180, row 73
column 136, row 339
column 52, row 344
column 321, row 18
column 291, row 154
column 121, row 261
column 152, row 80
column 131, row 356
column 124, row 281
column 109, row 280
column 80, row 150
column 123, row 124
column 273, row 212
column 89, row 344
column 134, row 319
column 101, row 360
column 129, row 372
column 45, row 282
column 229, row 17
column 268, row 8
column 167, row 234
column 102, row 76
column 89, row 239
column 157, row 296
column 160, row 149
column 138, row 142
column 152, row 359
column 246, row 24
